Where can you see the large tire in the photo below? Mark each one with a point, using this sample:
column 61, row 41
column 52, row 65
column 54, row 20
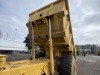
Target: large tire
column 66, row 65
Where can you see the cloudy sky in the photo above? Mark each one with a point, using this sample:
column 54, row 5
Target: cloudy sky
column 85, row 16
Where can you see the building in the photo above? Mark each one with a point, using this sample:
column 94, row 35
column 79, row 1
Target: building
column 9, row 46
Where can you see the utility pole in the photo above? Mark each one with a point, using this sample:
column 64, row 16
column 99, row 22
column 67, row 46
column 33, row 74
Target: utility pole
column 15, row 34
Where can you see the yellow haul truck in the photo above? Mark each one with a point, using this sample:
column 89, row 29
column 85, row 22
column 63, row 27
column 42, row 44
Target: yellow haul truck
column 50, row 29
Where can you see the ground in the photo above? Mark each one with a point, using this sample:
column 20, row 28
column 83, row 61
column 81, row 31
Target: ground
column 89, row 65
column 18, row 56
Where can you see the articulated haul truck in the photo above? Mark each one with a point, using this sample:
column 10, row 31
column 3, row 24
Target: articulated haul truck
column 50, row 29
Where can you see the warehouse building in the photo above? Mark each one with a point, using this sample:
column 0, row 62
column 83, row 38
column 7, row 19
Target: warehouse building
column 10, row 46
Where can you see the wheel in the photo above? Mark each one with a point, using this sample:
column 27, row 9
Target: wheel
column 66, row 66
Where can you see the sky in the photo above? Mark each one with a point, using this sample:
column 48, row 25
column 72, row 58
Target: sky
column 85, row 19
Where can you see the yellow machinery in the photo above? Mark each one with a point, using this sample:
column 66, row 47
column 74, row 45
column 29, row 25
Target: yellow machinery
column 50, row 29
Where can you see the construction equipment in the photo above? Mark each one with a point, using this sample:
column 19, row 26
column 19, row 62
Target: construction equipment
column 50, row 29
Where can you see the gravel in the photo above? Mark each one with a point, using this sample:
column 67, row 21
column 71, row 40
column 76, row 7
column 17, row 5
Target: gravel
column 89, row 65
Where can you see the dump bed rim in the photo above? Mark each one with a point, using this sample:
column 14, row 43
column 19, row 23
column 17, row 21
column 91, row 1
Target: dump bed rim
column 45, row 6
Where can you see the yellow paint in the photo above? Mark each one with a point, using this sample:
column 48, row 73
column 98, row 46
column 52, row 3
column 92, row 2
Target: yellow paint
column 51, row 56
column 30, row 68
column 2, row 61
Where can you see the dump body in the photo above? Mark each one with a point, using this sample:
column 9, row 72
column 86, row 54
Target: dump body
column 61, row 29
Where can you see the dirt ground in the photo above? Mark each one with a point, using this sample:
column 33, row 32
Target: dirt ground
column 89, row 65
column 18, row 56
